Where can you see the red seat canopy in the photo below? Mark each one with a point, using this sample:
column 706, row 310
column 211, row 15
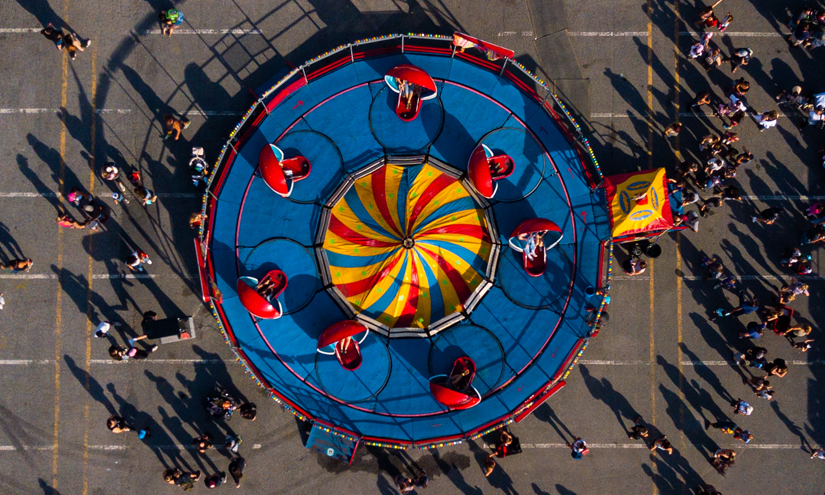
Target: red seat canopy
column 483, row 170
column 452, row 398
column 535, row 266
column 413, row 74
column 347, row 350
column 254, row 302
column 272, row 169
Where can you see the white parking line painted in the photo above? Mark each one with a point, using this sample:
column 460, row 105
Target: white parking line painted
column 597, row 362
column 150, row 31
column 97, row 276
column 164, row 361
column 177, row 446
column 608, row 115
column 764, row 446
column 643, row 34
column 204, row 31
column 602, row 34
column 24, row 362
column 119, row 111
column 7, row 195
column 28, row 362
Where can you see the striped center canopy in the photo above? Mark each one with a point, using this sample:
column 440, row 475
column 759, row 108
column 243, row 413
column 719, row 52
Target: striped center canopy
column 407, row 245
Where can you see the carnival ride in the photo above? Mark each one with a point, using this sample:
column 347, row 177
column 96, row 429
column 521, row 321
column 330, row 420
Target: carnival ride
column 410, row 318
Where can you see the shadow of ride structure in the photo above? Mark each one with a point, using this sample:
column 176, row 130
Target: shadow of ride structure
column 250, row 60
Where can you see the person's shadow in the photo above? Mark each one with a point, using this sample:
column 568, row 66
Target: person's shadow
column 545, row 413
column 498, row 478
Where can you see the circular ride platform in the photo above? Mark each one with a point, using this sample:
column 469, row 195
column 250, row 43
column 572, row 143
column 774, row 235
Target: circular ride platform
column 389, row 231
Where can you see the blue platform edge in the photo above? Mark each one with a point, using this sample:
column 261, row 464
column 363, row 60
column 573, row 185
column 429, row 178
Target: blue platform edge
column 468, row 120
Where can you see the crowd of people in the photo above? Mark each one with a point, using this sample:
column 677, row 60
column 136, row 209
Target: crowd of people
column 708, row 184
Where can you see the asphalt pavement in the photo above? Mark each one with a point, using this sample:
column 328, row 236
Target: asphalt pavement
column 622, row 67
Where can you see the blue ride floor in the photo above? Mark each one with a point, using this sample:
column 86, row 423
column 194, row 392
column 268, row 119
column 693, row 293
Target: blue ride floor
column 522, row 330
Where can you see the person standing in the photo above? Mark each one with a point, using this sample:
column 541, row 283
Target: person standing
column 203, row 443
column 578, row 448
column 170, row 20
column 233, row 442
column 186, row 481
column 215, row 480
column 236, row 468
column 404, row 485
column 422, row 481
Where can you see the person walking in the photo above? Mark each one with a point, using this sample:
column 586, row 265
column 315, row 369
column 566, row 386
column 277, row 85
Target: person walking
column 766, row 120
column 120, row 353
column 103, row 328
column 17, row 266
column 768, row 216
column 117, row 424
column 490, row 465
column 742, row 407
column 174, row 126
column 136, row 260
column 66, row 221
column 74, row 43
column 54, row 35
column 754, row 330
column 673, row 130
column 702, row 98
column 639, row 430
column 146, row 196
column 725, row 22
column 236, row 468
column 662, row 444
column 746, row 306
column 723, row 459
column 739, row 58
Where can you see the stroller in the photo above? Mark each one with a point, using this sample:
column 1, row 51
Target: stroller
column 198, row 167
column 220, row 404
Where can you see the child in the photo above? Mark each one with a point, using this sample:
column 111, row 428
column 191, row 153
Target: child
column 174, row 125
